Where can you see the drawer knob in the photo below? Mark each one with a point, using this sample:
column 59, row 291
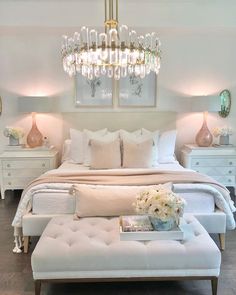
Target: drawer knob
column 197, row 163
column 230, row 172
column 9, row 174
column 229, row 180
column 43, row 165
column 9, row 183
column 8, row 165
column 230, row 163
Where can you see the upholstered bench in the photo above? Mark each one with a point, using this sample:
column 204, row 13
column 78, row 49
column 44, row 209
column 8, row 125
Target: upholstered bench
column 90, row 249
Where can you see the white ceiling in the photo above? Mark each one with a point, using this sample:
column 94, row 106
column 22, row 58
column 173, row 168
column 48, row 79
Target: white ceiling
column 135, row 13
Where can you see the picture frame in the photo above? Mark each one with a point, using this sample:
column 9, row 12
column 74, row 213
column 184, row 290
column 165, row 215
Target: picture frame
column 136, row 92
column 93, row 93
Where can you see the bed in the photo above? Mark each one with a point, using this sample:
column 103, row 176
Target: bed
column 50, row 196
column 45, row 202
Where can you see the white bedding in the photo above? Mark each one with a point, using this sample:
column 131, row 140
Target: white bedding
column 46, row 202
column 201, row 194
column 69, row 166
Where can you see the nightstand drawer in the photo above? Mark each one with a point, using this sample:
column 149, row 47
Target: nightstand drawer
column 211, row 170
column 25, row 163
column 20, row 182
column 32, row 173
column 197, row 162
column 19, row 167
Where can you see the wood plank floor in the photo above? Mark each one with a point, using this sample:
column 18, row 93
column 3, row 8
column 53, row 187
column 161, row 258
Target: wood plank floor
column 16, row 275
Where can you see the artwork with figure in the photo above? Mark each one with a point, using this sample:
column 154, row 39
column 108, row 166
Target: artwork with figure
column 93, row 93
column 94, row 84
column 137, row 92
column 136, row 85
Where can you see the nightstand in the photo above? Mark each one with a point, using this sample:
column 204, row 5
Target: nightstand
column 217, row 162
column 19, row 167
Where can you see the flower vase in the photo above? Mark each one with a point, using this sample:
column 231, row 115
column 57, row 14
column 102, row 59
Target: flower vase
column 13, row 140
column 224, row 140
column 35, row 137
column 204, row 137
column 160, row 225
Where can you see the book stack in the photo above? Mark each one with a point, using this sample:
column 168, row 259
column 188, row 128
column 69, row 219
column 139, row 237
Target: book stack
column 136, row 223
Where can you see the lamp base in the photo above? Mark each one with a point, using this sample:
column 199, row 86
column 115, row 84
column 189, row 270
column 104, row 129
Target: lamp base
column 204, row 137
column 35, row 137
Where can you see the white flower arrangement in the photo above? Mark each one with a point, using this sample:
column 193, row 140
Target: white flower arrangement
column 222, row 131
column 161, row 203
column 15, row 132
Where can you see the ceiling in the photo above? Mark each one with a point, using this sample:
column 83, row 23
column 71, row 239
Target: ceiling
column 135, row 13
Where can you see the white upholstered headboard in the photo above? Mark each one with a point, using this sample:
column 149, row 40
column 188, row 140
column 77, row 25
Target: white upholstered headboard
column 119, row 120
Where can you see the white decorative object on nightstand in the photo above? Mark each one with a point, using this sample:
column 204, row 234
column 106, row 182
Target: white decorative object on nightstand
column 217, row 162
column 20, row 167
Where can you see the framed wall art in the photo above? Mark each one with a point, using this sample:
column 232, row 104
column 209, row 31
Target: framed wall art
column 93, row 93
column 137, row 92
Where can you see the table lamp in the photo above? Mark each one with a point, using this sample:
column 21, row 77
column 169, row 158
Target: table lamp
column 34, row 105
column 204, row 104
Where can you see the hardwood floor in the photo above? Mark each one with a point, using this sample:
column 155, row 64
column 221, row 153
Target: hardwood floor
column 16, row 275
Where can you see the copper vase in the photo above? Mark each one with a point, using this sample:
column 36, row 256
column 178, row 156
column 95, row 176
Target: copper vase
column 35, row 137
column 204, row 137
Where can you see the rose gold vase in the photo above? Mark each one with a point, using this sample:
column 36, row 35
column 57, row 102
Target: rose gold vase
column 35, row 137
column 204, row 137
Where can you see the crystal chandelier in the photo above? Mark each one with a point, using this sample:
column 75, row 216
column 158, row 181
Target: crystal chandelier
column 116, row 52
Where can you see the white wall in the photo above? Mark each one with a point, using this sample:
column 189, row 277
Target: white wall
column 198, row 42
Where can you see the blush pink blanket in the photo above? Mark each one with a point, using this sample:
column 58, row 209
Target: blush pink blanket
column 124, row 177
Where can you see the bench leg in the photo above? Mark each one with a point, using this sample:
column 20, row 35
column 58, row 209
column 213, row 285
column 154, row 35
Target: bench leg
column 214, row 285
column 37, row 287
column 26, row 244
column 222, row 241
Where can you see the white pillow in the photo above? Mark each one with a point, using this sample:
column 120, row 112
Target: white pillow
column 132, row 135
column 76, row 151
column 66, row 151
column 105, row 155
column 166, row 147
column 155, row 136
column 108, row 200
column 102, row 135
column 137, row 153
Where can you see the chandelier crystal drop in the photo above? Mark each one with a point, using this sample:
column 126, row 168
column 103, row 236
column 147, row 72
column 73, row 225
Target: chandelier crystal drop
column 116, row 52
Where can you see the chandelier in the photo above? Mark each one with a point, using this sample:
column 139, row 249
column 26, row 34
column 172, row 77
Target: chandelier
column 116, row 52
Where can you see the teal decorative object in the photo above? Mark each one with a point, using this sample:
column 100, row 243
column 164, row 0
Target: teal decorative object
column 225, row 99
column 160, row 225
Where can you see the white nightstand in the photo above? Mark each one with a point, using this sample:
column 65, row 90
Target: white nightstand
column 217, row 162
column 20, row 167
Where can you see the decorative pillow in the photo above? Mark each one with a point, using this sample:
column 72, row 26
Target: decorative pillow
column 76, row 149
column 66, row 151
column 130, row 135
column 155, row 136
column 137, row 153
column 87, row 136
column 166, row 147
column 105, row 154
column 108, row 200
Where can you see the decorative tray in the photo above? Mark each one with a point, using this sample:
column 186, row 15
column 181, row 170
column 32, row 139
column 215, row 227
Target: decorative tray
column 139, row 228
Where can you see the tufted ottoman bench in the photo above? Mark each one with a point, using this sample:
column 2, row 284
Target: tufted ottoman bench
column 90, row 249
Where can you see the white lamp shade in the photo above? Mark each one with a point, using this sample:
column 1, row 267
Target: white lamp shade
column 205, row 103
column 37, row 104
